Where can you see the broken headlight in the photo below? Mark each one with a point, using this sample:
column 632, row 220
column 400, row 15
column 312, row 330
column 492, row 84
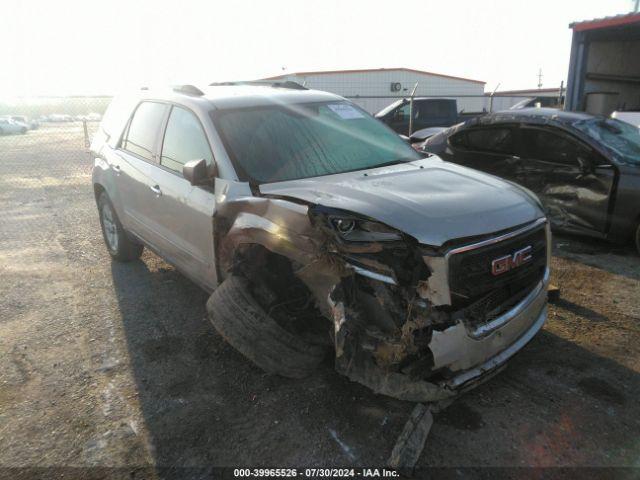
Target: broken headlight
column 353, row 229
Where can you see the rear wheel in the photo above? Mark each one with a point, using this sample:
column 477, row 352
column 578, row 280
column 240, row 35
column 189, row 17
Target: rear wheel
column 243, row 323
column 23, row 130
column 119, row 245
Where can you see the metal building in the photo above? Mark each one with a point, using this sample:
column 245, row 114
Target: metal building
column 505, row 99
column 604, row 69
column 374, row 89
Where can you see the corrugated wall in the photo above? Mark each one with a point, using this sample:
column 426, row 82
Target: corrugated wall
column 375, row 84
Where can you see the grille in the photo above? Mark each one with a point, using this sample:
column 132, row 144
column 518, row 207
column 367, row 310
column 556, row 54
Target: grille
column 483, row 295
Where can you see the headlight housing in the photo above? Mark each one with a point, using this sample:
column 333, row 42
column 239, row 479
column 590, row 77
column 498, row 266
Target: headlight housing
column 354, row 229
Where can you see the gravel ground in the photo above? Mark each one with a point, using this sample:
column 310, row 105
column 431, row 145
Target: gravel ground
column 105, row 364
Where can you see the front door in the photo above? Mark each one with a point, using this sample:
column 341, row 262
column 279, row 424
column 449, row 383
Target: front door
column 572, row 180
column 183, row 217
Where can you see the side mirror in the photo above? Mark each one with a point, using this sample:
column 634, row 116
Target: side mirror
column 197, row 172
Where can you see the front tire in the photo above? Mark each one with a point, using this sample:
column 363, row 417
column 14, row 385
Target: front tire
column 244, row 324
column 119, row 245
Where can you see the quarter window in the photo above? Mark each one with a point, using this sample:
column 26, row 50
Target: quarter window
column 184, row 140
column 143, row 129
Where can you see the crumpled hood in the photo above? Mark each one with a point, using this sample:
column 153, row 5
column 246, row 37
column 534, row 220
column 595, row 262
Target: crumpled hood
column 431, row 200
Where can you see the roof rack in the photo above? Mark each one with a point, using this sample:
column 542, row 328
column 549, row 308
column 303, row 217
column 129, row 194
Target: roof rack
column 265, row 83
column 188, row 90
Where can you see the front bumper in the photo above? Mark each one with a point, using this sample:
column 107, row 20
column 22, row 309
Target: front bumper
column 471, row 354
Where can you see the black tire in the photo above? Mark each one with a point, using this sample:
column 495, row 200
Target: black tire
column 246, row 327
column 119, row 245
column 23, row 130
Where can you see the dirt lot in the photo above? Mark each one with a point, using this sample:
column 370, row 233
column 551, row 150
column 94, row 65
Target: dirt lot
column 105, row 364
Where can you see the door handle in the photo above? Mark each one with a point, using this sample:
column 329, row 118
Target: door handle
column 156, row 189
column 115, row 168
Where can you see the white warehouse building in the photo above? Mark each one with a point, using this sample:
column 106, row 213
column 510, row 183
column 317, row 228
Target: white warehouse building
column 374, row 89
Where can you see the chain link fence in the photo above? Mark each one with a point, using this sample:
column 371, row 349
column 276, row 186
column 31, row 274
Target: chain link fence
column 45, row 169
column 46, row 139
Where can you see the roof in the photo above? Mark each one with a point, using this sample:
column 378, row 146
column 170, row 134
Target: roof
column 537, row 113
column 606, row 22
column 239, row 96
column 370, row 70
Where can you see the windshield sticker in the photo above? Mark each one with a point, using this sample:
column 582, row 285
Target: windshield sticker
column 345, row 111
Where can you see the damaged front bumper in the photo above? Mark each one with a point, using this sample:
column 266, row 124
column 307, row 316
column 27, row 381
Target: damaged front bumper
column 489, row 347
column 438, row 349
column 467, row 357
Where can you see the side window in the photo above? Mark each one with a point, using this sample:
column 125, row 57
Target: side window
column 144, row 129
column 495, row 140
column 548, row 146
column 184, row 140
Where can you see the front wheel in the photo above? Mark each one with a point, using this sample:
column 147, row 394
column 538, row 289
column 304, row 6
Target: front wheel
column 119, row 245
column 244, row 324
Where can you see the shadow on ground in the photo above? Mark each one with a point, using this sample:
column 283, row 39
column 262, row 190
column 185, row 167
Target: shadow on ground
column 613, row 258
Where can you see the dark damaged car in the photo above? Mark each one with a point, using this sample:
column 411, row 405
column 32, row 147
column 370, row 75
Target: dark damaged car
column 584, row 169
column 317, row 230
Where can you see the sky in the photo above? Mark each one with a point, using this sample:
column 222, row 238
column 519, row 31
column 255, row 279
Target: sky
column 67, row 47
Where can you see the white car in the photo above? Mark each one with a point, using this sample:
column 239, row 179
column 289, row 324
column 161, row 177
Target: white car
column 8, row 125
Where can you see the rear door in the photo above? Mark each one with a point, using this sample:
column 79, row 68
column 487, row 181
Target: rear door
column 572, row 180
column 182, row 215
column 133, row 164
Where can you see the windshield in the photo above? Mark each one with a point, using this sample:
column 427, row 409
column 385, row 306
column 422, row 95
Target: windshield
column 621, row 137
column 287, row 142
column 388, row 108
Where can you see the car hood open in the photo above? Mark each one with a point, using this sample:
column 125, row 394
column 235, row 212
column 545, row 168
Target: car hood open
column 431, row 200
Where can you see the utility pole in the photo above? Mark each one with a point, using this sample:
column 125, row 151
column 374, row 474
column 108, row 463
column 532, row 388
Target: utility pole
column 637, row 7
column 540, row 78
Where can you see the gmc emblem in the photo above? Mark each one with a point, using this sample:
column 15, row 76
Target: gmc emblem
column 509, row 262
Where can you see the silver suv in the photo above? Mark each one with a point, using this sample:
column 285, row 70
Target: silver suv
column 317, row 229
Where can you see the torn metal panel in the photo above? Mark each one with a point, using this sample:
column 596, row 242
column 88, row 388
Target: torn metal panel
column 436, row 287
column 364, row 371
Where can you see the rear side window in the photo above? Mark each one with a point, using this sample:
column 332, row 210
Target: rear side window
column 184, row 140
column 495, row 140
column 143, row 129
column 548, row 146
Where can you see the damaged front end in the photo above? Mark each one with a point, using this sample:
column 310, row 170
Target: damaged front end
column 407, row 320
